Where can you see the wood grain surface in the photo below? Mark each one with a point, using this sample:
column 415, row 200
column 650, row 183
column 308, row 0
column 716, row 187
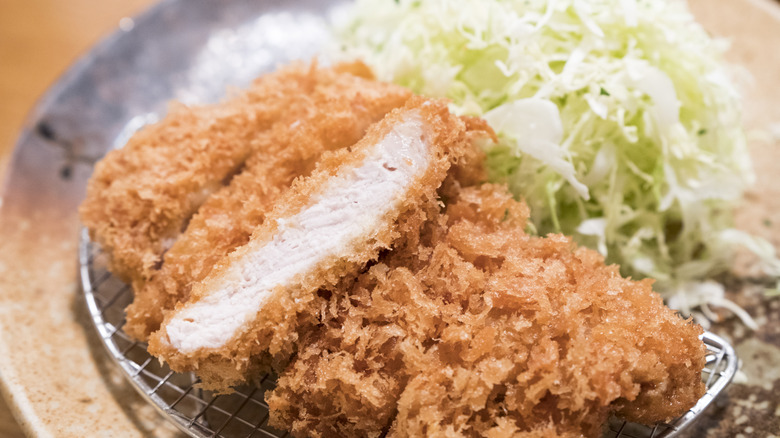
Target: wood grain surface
column 39, row 39
column 8, row 426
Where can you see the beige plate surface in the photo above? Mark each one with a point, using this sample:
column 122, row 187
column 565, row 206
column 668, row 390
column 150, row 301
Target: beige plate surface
column 54, row 372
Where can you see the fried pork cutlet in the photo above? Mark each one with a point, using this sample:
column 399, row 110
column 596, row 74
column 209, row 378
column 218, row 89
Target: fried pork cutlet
column 326, row 227
column 334, row 115
column 141, row 196
column 482, row 330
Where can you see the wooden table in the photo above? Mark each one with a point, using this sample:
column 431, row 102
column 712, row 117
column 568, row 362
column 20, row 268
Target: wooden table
column 39, row 39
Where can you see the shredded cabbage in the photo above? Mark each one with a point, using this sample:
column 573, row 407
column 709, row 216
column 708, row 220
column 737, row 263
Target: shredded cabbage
column 618, row 124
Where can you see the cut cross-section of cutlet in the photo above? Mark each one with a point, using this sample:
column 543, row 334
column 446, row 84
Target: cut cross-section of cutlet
column 328, row 226
column 486, row 331
column 142, row 195
column 334, row 116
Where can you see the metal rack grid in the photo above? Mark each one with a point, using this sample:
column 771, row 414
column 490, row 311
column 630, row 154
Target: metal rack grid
column 244, row 413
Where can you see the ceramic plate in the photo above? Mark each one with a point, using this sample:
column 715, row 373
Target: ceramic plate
column 55, row 373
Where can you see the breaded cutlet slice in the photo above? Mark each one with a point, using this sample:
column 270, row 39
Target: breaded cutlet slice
column 484, row 331
column 333, row 116
column 140, row 196
column 326, row 227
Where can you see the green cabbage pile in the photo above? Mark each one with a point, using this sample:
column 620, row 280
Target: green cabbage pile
column 618, row 124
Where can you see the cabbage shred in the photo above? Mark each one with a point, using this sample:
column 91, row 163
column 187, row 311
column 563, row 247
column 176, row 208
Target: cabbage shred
column 617, row 122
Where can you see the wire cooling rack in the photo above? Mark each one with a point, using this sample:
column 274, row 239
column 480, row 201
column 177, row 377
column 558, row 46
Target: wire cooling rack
column 244, row 413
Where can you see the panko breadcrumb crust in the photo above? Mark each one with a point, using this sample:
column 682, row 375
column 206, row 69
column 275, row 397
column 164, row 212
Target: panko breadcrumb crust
column 332, row 110
column 140, row 196
column 483, row 330
column 461, row 324
column 274, row 331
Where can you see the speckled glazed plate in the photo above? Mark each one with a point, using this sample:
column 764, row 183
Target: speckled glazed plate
column 54, row 373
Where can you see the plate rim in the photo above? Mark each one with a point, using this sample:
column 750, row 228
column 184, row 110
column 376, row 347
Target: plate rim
column 13, row 392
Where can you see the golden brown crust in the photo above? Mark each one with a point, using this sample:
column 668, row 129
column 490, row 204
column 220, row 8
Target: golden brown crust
column 466, row 327
column 275, row 329
column 140, row 196
column 482, row 330
column 334, row 115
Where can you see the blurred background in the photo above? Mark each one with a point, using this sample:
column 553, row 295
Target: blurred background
column 39, row 39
